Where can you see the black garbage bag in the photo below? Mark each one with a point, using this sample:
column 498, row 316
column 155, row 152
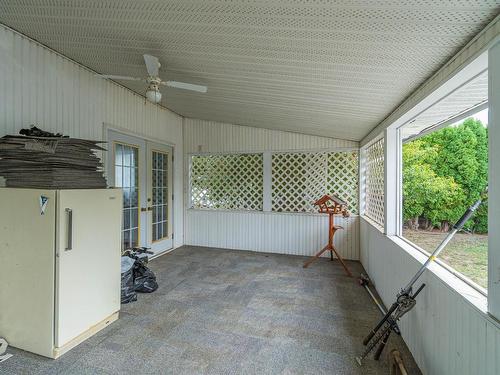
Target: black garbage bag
column 144, row 278
column 128, row 293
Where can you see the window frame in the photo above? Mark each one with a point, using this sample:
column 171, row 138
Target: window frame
column 189, row 199
column 267, row 178
column 399, row 170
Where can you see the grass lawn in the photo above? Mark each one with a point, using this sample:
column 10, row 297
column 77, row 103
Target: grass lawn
column 467, row 253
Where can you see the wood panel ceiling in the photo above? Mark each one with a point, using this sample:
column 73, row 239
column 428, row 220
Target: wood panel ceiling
column 334, row 68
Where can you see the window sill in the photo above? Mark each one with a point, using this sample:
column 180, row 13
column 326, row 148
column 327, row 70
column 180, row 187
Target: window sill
column 446, row 267
column 373, row 223
column 191, row 209
column 475, row 298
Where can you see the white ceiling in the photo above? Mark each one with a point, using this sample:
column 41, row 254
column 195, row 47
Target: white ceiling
column 334, row 68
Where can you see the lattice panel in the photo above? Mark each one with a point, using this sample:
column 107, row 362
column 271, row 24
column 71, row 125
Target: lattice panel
column 233, row 182
column 343, row 177
column 374, row 182
column 299, row 179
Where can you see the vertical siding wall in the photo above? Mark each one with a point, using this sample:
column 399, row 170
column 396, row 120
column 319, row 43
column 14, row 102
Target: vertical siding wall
column 287, row 233
column 39, row 86
column 445, row 332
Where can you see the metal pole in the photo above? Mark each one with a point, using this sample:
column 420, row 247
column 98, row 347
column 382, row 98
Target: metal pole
column 380, row 307
column 364, row 281
column 431, row 258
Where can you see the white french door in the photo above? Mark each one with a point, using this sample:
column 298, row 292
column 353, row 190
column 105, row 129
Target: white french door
column 143, row 170
column 159, row 194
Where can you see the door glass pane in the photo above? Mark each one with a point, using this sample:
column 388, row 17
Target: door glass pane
column 118, row 154
column 134, row 197
column 118, row 176
column 160, row 195
column 127, row 177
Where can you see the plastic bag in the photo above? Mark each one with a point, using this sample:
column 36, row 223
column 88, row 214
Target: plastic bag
column 144, row 278
column 128, row 293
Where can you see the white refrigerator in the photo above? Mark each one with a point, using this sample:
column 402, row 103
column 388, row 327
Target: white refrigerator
column 59, row 266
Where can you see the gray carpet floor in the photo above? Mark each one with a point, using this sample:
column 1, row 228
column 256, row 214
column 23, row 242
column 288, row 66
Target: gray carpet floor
column 232, row 312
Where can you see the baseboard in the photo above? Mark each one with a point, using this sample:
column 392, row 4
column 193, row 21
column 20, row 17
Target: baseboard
column 57, row 352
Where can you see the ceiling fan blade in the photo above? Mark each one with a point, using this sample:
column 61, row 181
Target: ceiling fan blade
column 186, row 86
column 152, row 65
column 122, row 78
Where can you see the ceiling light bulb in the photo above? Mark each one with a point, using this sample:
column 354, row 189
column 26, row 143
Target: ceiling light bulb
column 154, row 96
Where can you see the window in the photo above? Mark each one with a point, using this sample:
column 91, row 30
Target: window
column 296, row 180
column 443, row 173
column 160, row 194
column 127, row 177
column 300, row 178
column 229, row 181
column 373, row 187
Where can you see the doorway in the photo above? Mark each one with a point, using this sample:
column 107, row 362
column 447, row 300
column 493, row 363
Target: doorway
column 143, row 170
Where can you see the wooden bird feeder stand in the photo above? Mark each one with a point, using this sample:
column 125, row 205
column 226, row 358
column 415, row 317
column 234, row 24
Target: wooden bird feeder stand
column 331, row 205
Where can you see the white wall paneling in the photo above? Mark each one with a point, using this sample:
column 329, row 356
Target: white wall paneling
column 283, row 233
column 287, row 233
column 210, row 136
column 39, row 86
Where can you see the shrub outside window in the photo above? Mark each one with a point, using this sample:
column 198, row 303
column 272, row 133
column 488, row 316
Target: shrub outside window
column 443, row 173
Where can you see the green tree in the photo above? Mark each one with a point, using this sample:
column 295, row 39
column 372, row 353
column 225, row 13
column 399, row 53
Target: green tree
column 462, row 154
column 444, row 172
column 425, row 194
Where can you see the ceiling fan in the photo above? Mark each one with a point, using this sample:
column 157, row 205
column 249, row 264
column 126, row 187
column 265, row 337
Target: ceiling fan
column 154, row 82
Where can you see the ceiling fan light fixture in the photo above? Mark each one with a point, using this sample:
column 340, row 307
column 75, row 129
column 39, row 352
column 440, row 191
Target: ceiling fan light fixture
column 153, row 95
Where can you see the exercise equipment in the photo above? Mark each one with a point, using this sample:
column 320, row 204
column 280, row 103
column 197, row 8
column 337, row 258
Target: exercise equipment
column 405, row 299
column 331, row 205
column 364, row 281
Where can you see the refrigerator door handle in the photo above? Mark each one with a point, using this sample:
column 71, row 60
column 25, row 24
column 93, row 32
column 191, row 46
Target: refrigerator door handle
column 69, row 245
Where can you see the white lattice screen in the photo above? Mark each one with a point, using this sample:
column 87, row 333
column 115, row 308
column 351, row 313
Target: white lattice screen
column 231, row 181
column 374, row 182
column 299, row 179
column 235, row 181
column 343, row 177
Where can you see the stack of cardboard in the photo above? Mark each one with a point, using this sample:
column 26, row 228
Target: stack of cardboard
column 51, row 163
